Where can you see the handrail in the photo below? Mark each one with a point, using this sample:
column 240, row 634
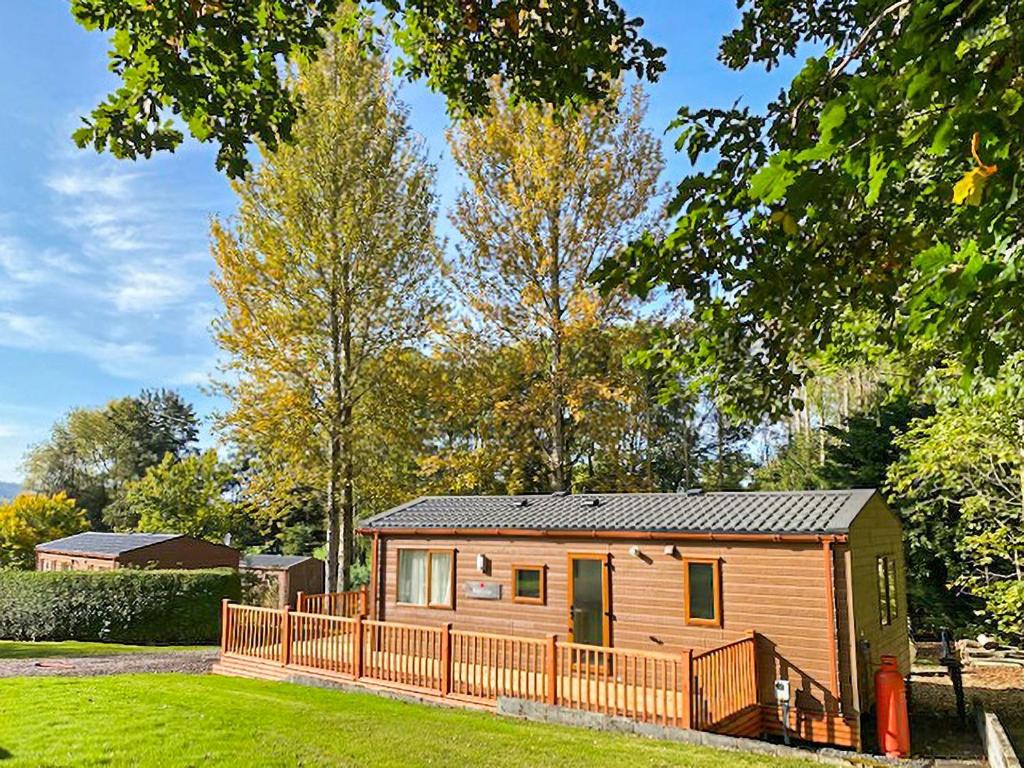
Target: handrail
column 705, row 691
column 351, row 603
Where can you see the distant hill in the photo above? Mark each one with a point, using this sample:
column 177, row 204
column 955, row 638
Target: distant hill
column 9, row 490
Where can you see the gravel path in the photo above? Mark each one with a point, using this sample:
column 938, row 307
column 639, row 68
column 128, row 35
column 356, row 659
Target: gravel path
column 119, row 664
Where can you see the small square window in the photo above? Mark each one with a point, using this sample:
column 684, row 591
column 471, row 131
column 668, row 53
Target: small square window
column 528, row 584
column 702, row 593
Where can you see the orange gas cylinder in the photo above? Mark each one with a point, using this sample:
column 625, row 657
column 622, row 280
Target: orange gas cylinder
column 891, row 708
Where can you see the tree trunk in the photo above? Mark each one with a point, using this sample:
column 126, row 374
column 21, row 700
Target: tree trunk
column 558, row 451
column 348, row 448
column 333, row 515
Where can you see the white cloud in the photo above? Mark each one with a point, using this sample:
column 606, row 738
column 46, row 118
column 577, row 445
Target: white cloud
column 89, row 181
column 149, row 290
column 136, row 360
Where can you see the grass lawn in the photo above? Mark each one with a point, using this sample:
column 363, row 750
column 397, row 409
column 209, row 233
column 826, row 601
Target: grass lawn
column 14, row 649
column 184, row 720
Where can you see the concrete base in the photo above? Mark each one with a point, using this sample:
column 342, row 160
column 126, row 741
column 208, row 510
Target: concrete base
column 997, row 744
column 545, row 713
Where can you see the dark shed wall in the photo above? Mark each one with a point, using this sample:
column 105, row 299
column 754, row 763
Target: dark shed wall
column 777, row 589
column 182, row 553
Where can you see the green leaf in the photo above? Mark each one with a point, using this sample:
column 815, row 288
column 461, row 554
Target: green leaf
column 771, row 183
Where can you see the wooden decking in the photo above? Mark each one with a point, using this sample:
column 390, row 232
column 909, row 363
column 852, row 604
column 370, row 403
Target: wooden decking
column 714, row 691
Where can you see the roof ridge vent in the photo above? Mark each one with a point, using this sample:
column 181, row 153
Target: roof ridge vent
column 520, row 503
column 693, row 492
column 559, row 493
column 590, row 501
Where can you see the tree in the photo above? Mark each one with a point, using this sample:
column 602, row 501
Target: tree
column 92, row 453
column 868, row 188
column 30, row 519
column 962, row 477
column 550, row 193
column 215, row 64
column 189, row 495
column 327, row 273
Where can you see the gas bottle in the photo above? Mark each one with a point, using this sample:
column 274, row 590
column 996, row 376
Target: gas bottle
column 891, row 708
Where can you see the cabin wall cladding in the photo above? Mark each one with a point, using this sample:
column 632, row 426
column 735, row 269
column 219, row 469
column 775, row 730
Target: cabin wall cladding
column 776, row 588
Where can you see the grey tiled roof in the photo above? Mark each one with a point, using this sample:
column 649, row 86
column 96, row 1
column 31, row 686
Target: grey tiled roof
column 104, row 544
column 273, row 562
column 795, row 512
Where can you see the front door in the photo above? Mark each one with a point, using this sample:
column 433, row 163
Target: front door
column 588, row 599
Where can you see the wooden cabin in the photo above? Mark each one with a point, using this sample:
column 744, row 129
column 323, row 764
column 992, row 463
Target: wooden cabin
column 281, row 578
column 819, row 575
column 98, row 551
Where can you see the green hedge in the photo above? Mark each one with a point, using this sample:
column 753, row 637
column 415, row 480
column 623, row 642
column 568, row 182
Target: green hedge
column 123, row 606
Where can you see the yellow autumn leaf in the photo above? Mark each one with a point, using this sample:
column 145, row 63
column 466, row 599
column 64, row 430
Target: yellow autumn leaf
column 970, row 188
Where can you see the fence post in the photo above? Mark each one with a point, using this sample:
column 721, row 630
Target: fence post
column 756, row 692
column 300, row 598
column 552, row 669
column 362, row 600
column 357, row 649
column 688, row 690
column 286, row 636
column 446, row 659
column 225, row 612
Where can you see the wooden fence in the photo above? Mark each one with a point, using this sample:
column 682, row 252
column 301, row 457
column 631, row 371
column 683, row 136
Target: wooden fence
column 707, row 691
column 347, row 604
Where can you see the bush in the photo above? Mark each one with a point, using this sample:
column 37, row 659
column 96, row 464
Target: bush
column 124, row 606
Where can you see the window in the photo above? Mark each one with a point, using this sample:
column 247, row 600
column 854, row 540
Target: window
column 425, row 577
column 528, row 584
column 886, row 589
column 702, row 592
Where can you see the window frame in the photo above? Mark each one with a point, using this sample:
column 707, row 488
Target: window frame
column 886, row 577
column 430, row 552
column 716, row 585
column 541, row 599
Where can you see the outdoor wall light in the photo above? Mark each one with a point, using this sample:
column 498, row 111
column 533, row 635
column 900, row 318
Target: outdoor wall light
column 481, row 563
column 670, row 550
column 634, row 551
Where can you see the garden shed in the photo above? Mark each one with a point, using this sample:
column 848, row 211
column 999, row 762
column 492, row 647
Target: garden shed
column 99, row 551
column 817, row 576
column 283, row 577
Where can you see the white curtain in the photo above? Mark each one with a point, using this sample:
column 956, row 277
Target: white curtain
column 412, row 576
column 441, row 578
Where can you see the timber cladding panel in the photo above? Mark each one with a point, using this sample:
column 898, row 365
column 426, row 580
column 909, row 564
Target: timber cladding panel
column 776, row 588
column 877, row 532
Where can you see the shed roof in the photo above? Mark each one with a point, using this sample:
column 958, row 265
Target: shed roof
column 106, row 545
column 273, row 562
column 740, row 512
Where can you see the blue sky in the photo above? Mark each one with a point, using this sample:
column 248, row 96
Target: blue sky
column 104, row 267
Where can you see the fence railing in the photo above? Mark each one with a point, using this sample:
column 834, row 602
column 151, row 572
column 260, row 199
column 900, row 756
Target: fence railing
column 347, row 604
column 724, row 682
column 683, row 690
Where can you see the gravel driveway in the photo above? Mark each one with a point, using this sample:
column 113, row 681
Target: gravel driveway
column 123, row 663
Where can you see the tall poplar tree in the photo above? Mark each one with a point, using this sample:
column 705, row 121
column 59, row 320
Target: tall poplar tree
column 550, row 193
column 326, row 274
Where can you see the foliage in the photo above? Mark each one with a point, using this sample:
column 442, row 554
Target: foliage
column 31, row 519
column 962, row 478
column 188, row 495
column 174, row 721
column 838, row 200
column 214, row 64
column 550, row 193
column 122, row 605
column 92, row 453
column 326, row 275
